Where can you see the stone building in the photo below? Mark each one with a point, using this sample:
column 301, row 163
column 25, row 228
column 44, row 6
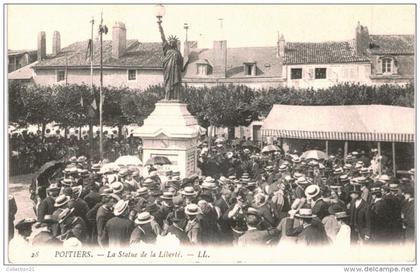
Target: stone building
column 126, row 63
column 19, row 58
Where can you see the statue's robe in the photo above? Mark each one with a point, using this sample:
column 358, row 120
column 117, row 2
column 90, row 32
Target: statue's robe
column 172, row 71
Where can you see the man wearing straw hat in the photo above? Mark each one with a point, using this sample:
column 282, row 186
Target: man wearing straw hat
column 146, row 230
column 118, row 229
column 309, row 233
column 193, row 228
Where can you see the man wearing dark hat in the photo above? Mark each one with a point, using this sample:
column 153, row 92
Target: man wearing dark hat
column 20, row 243
column 80, row 206
column 359, row 216
column 24, row 228
column 103, row 214
column 253, row 236
column 157, row 213
column 408, row 214
column 92, row 197
column 222, row 206
column 178, row 225
column 72, row 225
column 236, row 217
column 330, row 222
column 380, row 217
column 208, row 223
column 47, row 204
column 12, row 213
column 394, row 201
column 45, row 235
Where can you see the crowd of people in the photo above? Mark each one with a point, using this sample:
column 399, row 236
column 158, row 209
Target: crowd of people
column 248, row 198
column 28, row 151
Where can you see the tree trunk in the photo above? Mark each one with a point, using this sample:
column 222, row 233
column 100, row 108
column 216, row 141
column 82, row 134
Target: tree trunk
column 120, row 128
column 91, row 141
column 210, row 136
column 231, row 132
column 43, row 131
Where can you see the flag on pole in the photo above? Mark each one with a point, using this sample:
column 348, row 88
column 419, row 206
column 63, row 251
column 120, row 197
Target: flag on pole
column 89, row 50
column 94, row 104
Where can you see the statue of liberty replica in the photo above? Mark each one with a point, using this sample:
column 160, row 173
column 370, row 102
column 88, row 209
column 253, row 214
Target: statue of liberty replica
column 172, row 66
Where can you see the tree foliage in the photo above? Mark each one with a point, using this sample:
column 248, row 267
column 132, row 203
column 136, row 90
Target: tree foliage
column 220, row 106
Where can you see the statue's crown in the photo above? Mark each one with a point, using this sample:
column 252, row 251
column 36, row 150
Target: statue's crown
column 173, row 38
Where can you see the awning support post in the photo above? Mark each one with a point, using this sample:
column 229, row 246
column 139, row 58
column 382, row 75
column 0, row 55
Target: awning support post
column 380, row 157
column 394, row 167
column 346, row 148
column 326, row 147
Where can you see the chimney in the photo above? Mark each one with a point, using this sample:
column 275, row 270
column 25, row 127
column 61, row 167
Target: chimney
column 119, row 40
column 42, row 46
column 56, row 46
column 220, row 54
column 362, row 39
column 219, row 58
column 281, row 43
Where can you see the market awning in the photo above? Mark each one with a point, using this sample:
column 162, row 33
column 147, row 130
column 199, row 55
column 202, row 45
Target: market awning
column 343, row 122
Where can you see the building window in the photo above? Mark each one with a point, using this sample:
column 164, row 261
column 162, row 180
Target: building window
column 386, row 66
column 320, row 73
column 132, row 75
column 250, row 69
column 296, row 73
column 61, row 75
column 202, row 69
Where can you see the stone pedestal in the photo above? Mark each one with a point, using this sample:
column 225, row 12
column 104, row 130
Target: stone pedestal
column 171, row 131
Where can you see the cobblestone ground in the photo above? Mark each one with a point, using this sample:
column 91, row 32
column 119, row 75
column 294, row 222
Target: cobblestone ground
column 19, row 188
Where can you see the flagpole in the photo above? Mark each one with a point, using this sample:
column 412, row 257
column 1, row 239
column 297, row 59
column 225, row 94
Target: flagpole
column 92, row 91
column 91, row 56
column 101, row 152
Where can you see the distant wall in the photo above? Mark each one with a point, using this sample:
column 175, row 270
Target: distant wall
column 111, row 77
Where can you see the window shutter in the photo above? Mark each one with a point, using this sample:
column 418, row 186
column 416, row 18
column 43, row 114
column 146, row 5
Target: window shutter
column 395, row 66
column 310, row 73
column 378, row 65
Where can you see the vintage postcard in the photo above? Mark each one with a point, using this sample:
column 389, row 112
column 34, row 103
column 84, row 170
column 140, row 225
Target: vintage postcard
column 210, row 134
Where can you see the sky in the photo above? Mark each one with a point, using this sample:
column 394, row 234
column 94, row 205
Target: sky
column 243, row 25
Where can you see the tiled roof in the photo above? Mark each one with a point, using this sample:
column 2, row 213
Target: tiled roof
column 11, row 52
column 140, row 55
column 23, row 73
column 265, row 58
column 321, row 53
column 391, row 44
column 268, row 64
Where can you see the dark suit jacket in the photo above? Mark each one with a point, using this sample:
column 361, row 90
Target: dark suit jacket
column 222, row 205
column 118, row 231
column 380, row 221
column 179, row 233
column 320, row 209
column 255, row 237
column 360, row 219
column 314, row 234
column 45, row 207
column 409, row 221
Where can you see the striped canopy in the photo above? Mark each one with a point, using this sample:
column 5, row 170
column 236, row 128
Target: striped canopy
column 344, row 122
